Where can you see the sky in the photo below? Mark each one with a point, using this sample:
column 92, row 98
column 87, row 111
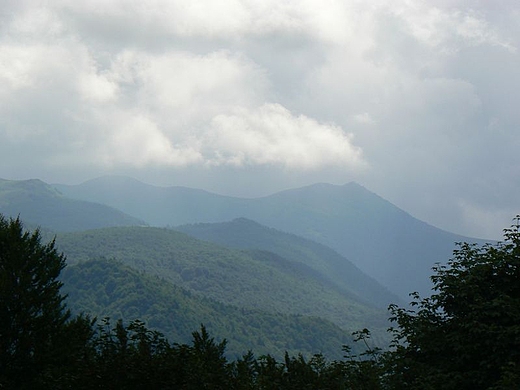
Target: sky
column 418, row 101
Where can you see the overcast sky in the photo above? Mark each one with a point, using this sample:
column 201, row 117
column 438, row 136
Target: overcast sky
column 419, row 101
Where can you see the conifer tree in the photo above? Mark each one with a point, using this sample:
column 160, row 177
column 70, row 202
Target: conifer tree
column 32, row 311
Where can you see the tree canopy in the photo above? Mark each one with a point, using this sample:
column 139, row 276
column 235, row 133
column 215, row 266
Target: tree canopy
column 466, row 335
column 32, row 311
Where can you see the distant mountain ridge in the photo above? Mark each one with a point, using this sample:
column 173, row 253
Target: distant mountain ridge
column 158, row 206
column 379, row 238
column 39, row 204
column 247, row 234
column 320, row 251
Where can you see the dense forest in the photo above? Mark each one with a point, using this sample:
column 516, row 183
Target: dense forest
column 253, row 280
column 107, row 288
column 466, row 335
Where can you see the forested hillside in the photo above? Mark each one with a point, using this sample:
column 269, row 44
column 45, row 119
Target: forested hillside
column 247, row 234
column 382, row 240
column 464, row 336
column 251, row 280
column 107, row 288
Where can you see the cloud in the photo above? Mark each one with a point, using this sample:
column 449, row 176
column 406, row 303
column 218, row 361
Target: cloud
column 271, row 135
column 94, row 87
column 169, row 109
column 192, row 85
column 447, row 29
column 423, row 93
column 485, row 221
column 136, row 140
column 364, row 118
column 268, row 135
column 226, row 19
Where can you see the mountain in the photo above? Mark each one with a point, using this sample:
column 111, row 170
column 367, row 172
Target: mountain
column 158, row 206
column 106, row 288
column 379, row 238
column 40, row 204
column 247, row 234
column 258, row 280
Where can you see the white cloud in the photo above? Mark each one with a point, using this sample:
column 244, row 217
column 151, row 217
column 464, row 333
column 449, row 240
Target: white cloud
column 16, row 67
column 35, row 22
column 406, row 87
column 136, row 140
column 364, row 118
column 228, row 19
column 189, row 83
column 96, row 87
column 173, row 109
column 272, row 135
column 446, row 28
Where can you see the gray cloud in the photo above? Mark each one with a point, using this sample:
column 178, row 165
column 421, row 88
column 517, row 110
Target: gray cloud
column 416, row 100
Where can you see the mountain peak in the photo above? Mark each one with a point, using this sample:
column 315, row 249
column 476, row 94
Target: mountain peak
column 39, row 203
column 381, row 239
column 34, row 187
column 112, row 180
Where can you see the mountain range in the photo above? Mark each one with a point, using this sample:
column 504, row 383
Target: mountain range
column 40, row 204
column 382, row 240
column 322, row 259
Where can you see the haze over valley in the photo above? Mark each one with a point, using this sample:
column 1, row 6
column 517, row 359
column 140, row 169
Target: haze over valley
column 330, row 186
column 322, row 257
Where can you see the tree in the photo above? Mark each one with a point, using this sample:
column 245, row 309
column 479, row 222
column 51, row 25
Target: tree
column 467, row 334
column 32, row 311
column 206, row 362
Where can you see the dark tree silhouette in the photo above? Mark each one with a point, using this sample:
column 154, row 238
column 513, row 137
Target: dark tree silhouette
column 32, row 312
column 467, row 334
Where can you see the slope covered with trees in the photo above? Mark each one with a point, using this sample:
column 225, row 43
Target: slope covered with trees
column 379, row 238
column 250, row 280
column 247, row 234
column 105, row 288
column 465, row 336
column 39, row 204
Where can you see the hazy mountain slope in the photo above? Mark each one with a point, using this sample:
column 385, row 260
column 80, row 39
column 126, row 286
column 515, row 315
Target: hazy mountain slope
column 158, row 206
column 247, row 234
column 382, row 240
column 230, row 276
column 39, row 204
column 107, row 288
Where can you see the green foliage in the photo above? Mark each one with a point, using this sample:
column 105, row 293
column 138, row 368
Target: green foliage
column 308, row 256
column 467, row 334
column 124, row 357
column 464, row 336
column 382, row 240
column 109, row 288
column 133, row 357
column 250, row 280
column 32, row 313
